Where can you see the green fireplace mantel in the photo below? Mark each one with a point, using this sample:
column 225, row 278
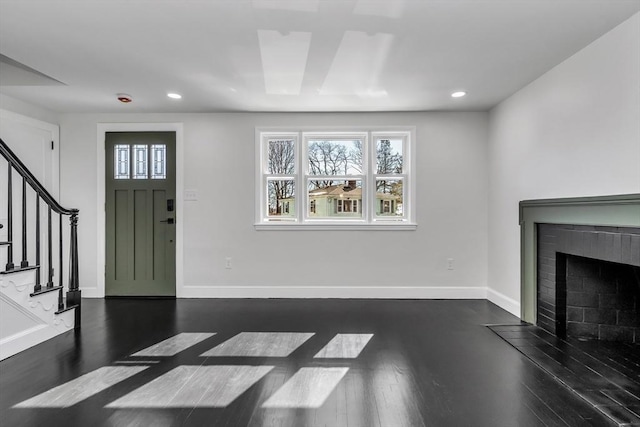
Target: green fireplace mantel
column 619, row 211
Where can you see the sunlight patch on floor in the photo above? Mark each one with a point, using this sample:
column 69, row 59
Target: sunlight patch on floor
column 344, row 346
column 81, row 388
column 174, row 345
column 260, row 344
column 194, row 387
column 307, row 388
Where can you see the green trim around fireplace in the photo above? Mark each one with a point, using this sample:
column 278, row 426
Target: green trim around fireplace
column 617, row 210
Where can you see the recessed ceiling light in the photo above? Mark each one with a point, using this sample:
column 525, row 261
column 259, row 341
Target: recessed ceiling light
column 459, row 94
column 174, row 95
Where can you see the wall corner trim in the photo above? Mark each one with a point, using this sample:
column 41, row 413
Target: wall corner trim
column 504, row 302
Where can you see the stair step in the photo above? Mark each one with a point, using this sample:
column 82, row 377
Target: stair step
column 67, row 308
column 45, row 290
column 16, row 269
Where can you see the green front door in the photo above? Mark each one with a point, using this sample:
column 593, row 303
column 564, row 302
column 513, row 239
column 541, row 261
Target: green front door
column 140, row 214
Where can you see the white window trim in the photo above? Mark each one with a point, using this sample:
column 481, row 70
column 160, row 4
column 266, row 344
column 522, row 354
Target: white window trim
column 369, row 219
column 263, row 178
column 407, row 176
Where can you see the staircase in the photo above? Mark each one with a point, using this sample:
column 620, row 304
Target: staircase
column 33, row 303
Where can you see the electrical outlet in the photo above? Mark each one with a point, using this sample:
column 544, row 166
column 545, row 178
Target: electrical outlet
column 227, row 263
column 449, row 263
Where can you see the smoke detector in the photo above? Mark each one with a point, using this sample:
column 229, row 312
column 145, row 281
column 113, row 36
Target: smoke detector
column 124, row 98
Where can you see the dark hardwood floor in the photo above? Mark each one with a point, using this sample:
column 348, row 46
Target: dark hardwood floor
column 428, row 363
column 605, row 374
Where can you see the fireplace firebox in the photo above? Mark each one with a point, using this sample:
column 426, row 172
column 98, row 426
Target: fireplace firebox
column 588, row 282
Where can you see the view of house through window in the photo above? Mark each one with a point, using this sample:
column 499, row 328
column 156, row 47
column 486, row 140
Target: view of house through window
column 312, row 177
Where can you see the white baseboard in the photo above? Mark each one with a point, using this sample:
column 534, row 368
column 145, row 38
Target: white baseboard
column 91, row 293
column 23, row 340
column 56, row 325
column 381, row 292
column 29, row 338
column 503, row 301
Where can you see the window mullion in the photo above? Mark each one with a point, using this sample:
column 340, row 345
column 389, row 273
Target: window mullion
column 301, row 183
column 370, row 155
column 264, row 195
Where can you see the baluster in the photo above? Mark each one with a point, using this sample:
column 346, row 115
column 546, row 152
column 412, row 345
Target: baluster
column 50, row 251
column 73, row 256
column 24, row 263
column 74, row 293
column 9, row 265
column 60, row 274
column 37, row 287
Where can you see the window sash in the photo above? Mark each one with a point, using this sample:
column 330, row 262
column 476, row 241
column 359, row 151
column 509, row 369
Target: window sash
column 378, row 137
column 336, row 204
column 338, row 138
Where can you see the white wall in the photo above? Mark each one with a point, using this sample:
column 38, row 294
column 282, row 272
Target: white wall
column 573, row 132
column 26, row 109
column 219, row 148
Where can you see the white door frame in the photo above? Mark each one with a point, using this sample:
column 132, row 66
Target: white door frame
column 54, row 186
column 103, row 128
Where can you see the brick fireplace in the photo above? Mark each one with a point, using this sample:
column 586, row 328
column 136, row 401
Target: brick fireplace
column 588, row 281
column 580, row 262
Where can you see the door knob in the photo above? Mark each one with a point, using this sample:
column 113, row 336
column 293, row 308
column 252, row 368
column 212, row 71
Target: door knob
column 168, row 220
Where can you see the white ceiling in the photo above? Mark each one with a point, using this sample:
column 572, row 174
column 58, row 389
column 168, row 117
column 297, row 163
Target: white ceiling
column 289, row 55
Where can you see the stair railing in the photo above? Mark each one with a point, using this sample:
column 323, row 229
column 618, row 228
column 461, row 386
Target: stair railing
column 42, row 196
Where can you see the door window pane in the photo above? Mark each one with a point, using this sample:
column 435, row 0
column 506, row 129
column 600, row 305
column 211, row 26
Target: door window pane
column 141, row 156
column 121, row 161
column 159, row 161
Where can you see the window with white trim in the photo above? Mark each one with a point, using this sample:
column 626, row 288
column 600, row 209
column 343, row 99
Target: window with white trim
column 324, row 178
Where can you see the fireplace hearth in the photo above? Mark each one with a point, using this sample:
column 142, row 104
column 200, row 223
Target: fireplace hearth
column 588, row 282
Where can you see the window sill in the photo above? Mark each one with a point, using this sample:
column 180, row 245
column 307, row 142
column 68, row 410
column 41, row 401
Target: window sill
column 336, row 226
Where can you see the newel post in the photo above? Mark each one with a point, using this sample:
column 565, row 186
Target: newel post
column 73, row 295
